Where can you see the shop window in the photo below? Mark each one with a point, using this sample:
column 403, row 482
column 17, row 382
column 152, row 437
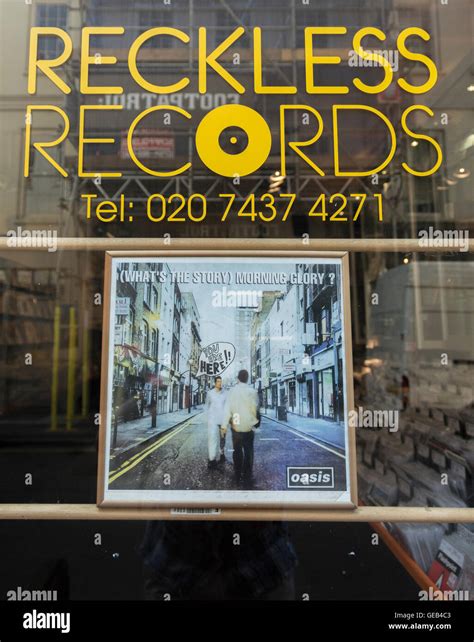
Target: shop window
column 43, row 189
column 132, row 316
column 432, row 326
column 51, row 15
column 324, row 325
column 154, row 343
column 226, row 23
column 146, row 337
column 155, row 300
column 149, row 18
column 147, row 294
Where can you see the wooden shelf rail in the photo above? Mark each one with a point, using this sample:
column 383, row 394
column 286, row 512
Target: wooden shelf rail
column 243, row 245
column 360, row 514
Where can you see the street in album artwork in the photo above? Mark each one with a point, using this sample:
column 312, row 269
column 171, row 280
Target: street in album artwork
column 226, row 382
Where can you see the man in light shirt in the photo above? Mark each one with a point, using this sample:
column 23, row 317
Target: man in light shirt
column 241, row 410
column 215, row 408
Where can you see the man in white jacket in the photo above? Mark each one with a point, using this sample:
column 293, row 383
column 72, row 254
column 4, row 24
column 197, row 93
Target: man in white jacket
column 215, row 407
column 241, row 410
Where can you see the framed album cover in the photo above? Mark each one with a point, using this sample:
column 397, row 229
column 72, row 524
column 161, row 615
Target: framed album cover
column 227, row 380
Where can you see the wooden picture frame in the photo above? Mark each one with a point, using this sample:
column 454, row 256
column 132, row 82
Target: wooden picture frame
column 188, row 501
